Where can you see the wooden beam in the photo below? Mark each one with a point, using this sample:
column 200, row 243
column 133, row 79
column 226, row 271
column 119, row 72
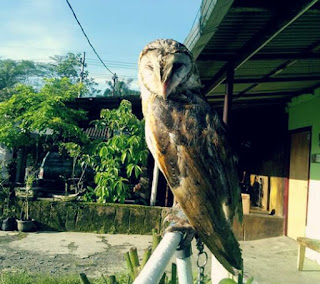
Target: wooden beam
column 228, row 96
column 276, row 80
column 280, row 68
column 273, row 80
column 254, row 96
column 274, row 27
column 270, row 95
column 271, row 56
column 251, row 103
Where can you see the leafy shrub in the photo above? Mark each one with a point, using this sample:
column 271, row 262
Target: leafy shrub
column 119, row 159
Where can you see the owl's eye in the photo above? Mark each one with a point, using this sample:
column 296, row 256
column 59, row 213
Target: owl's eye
column 149, row 67
column 176, row 66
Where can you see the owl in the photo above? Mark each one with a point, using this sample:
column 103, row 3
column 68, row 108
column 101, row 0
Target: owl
column 190, row 145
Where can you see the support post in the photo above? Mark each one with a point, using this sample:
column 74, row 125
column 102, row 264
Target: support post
column 82, row 62
column 228, row 96
column 114, row 78
column 218, row 272
column 154, row 187
column 184, row 267
column 154, row 268
column 301, row 256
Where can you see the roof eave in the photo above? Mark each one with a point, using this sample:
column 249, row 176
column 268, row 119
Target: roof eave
column 211, row 15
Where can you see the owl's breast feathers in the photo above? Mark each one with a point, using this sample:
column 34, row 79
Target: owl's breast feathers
column 190, row 146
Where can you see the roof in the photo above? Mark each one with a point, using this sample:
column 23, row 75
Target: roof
column 93, row 105
column 97, row 133
column 272, row 47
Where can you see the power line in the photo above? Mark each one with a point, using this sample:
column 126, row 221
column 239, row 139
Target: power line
column 75, row 16
column 115, row 66
column 112, row 61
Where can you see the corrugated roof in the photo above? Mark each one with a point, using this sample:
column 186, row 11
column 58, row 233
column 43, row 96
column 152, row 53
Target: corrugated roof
column 96, row 133
column 281, row 40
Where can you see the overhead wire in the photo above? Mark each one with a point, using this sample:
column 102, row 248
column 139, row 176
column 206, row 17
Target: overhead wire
column 75, row 16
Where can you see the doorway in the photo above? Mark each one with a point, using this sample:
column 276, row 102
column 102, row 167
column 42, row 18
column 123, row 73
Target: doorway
column 298, row 183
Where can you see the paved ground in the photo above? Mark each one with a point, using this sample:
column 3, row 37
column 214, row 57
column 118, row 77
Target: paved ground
column 270, row 261
column 274, row 261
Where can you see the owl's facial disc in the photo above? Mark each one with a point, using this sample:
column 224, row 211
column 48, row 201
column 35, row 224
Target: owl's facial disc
column 164, row 73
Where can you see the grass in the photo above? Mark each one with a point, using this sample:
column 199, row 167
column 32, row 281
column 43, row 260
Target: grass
column 25, row 278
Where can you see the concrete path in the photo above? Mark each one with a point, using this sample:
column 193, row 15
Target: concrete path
column 274, row 261
column 270, row 261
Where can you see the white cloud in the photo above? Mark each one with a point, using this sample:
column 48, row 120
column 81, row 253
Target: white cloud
column 31, row 32
column 38, row 48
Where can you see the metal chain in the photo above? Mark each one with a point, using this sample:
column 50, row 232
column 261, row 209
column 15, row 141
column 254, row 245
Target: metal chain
column 200, row 265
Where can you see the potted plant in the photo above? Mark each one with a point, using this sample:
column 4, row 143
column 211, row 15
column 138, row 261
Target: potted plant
column 25, row 224
column 8, row 215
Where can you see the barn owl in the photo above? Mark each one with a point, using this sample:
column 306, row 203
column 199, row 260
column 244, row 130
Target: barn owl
column 189, row 143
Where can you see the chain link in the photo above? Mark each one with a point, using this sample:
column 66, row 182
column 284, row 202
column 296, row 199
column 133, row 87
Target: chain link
column 201, row 266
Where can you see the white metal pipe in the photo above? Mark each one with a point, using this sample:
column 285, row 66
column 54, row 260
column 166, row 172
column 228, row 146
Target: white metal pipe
column 154, row 187
column 154, row 268
column 184, row 269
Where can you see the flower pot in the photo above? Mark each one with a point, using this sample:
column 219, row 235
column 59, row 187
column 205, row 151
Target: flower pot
column 245, row 203
column 8, row 224
column 25, row 225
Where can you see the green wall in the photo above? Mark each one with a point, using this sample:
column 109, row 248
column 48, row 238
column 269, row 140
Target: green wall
column 304, row 111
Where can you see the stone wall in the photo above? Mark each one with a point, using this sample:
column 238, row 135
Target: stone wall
column 98, row 218
column 132, row 219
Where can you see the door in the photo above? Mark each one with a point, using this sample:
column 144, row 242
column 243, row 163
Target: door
column 298, row 183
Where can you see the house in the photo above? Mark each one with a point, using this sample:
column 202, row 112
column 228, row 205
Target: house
column 259, row 62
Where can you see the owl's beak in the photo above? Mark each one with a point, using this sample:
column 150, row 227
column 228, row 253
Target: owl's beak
column 166, row 82
column 165, row 93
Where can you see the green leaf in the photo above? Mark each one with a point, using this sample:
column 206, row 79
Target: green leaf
column 250, row 280
column 227, row 281
column 130, row 169
column 137, row 171
column 123, row 156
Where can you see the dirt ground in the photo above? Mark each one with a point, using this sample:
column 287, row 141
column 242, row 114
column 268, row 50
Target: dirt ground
column 63, row 253
column 60, row 253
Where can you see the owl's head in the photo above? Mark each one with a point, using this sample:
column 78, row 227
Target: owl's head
column 166, row 65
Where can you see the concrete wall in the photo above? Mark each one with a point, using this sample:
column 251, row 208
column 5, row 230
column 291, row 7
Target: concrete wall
column 98, row 218
column 132, row 219
column 304, row 111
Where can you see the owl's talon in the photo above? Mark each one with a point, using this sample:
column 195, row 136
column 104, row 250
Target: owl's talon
column 180, row 225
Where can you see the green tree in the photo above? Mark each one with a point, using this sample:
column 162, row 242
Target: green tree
column 13, row 72
column 32, row 73
column 29, row 115
column 66, row 66
column 69, row 66
column 120, row 88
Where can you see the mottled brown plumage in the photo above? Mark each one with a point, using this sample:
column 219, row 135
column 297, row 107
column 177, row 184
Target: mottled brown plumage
column 190, row 145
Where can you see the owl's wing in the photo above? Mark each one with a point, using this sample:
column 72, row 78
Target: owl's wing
column 199, row 167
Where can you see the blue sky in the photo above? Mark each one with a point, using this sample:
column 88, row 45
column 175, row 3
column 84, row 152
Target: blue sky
column 38, row 29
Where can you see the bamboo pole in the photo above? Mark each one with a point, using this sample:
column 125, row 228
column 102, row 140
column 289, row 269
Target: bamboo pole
column 146, row 256
column 133, row 254
column 84, row 278
column 129, row 265
column 112, row 279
